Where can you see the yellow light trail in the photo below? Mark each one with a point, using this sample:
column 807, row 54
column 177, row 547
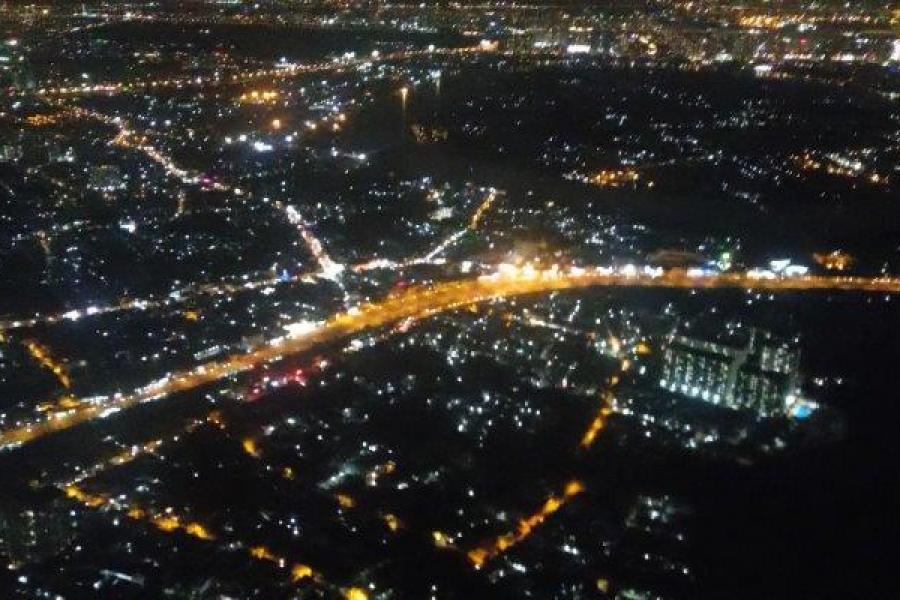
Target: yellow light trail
column 606, row 400
column 166, row 521
column 299, row 571
column 599, row 422
column 169, row 522
column 482, row 209
column 424, row 302
column 42, row 356
column 482, row 554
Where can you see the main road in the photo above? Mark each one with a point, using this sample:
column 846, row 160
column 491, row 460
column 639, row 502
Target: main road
column 423, row 302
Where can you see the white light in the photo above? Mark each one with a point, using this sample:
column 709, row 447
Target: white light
column 780, row 264
column 796, row 270
column 578, row 49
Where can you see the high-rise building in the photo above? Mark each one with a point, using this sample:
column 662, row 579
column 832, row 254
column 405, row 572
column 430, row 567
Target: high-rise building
column 740, row 368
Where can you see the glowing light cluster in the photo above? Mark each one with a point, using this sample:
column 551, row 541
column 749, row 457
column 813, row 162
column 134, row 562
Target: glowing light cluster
column 482, row 554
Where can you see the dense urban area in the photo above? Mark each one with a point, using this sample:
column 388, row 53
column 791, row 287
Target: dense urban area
column 380, row 300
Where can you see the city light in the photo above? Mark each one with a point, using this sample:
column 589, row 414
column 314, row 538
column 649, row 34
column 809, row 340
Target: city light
column 434, row 300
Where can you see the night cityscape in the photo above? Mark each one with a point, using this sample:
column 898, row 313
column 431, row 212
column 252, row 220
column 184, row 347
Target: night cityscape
column 374, row 300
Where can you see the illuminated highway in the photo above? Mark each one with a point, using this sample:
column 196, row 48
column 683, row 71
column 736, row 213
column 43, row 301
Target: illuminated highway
column 421, row 302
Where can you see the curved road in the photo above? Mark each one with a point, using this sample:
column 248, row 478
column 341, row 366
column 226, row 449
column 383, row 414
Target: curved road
column 422, row 302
